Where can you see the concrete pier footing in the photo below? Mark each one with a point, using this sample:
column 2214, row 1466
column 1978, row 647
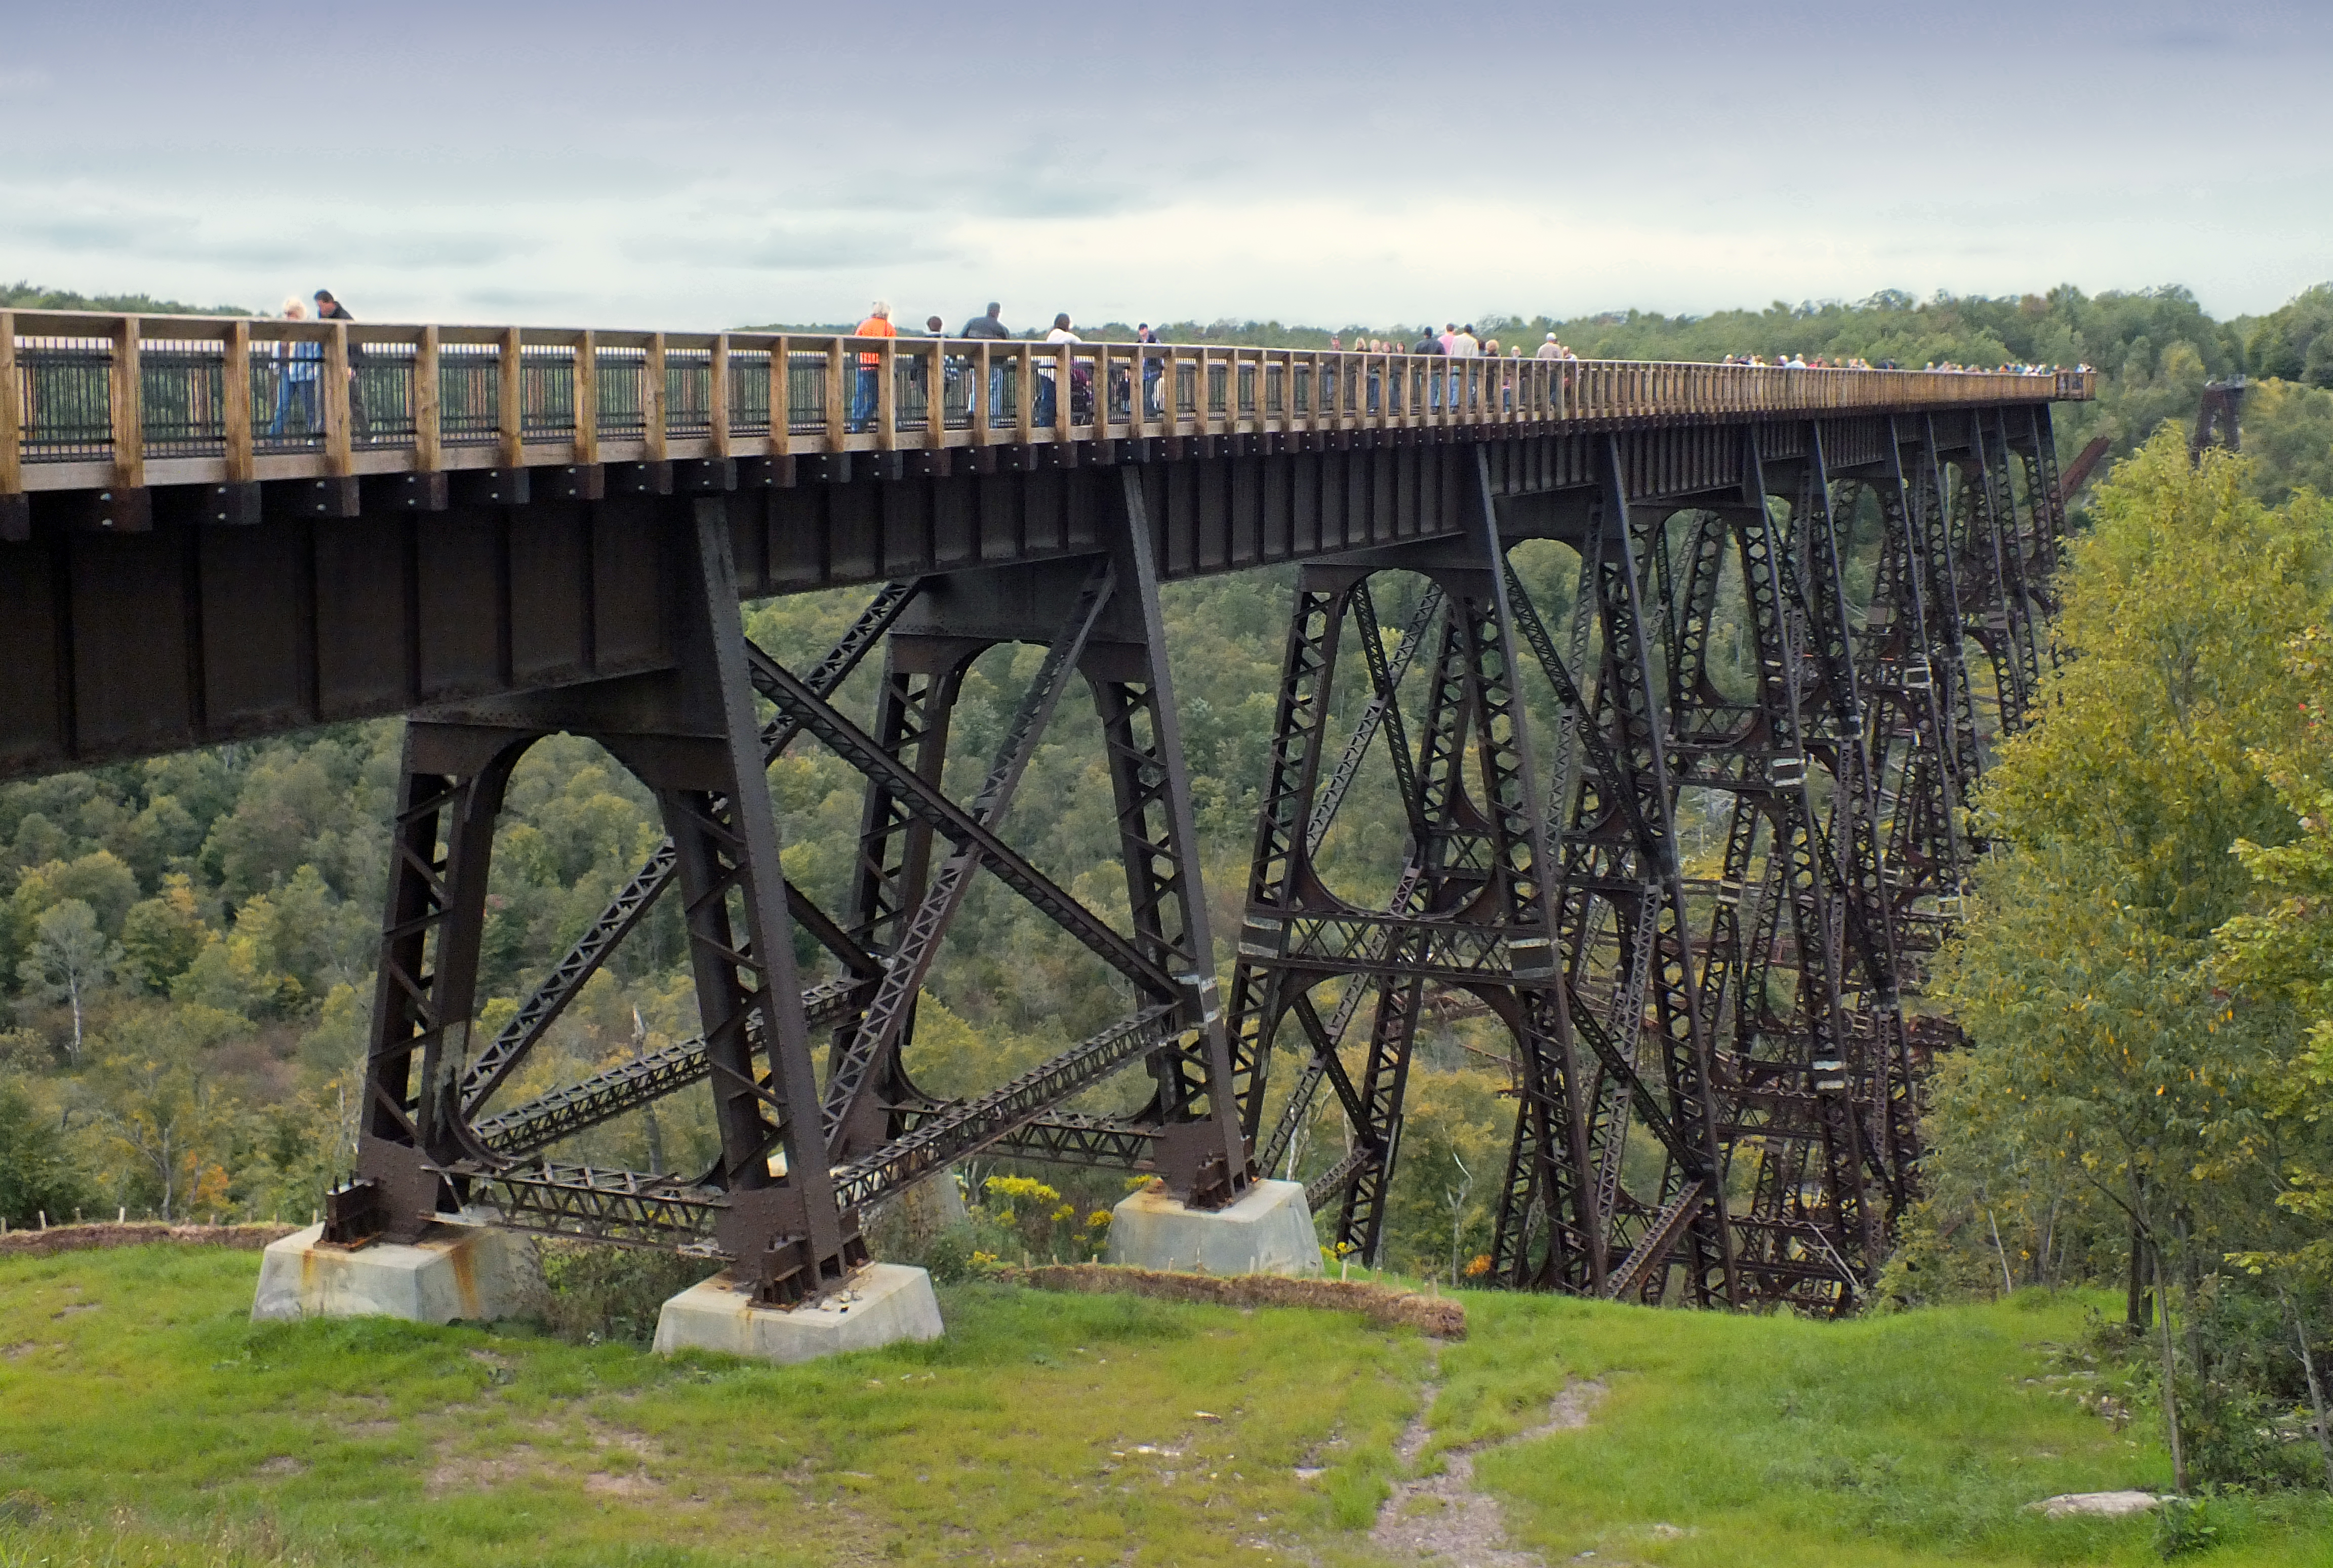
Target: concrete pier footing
column 1268, row 1230
column 455, row 1271
column 882, row 1305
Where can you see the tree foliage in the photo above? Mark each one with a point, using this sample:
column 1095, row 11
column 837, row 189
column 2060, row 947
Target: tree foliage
column 2135, row 975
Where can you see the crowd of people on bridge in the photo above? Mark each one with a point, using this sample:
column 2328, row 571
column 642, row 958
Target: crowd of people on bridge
column 298, row 410
column 1453, row 341
column 1800, row 361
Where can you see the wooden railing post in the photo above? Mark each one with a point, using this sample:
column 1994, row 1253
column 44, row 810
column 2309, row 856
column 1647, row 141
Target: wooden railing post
column 127, row 388
column 234, row 406
column 654, row 394
column 12, row 414
column 429, row 409
column 935, row 395
column 340, row 435
column 1061, row 367
column 716, row 394
column 887, row 394
column 1102, row 391
column 983, row 417
column 586, row 382
column 510, row 407
column 1024, row 405
column 842, row 383
column 782, row 401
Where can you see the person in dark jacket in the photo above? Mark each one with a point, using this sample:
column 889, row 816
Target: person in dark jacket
column 329, row 309
column 1153, row 367
column 989, row 326
column 986, row 326
column 1429, row 343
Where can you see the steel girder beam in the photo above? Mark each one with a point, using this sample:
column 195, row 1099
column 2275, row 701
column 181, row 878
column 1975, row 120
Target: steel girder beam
column 603, row 1096
column 1190, row 1136
column 955, row 823
column 1619, row 864
column 509, row 1048
column 690, row 735
column 943, row 1134
column 1814, row 883
column 1563, row 912
column 1471, row 909
column 908, row 960
column 1112, row 634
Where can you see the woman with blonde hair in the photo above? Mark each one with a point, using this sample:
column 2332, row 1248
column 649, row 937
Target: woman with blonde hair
column 304, row 362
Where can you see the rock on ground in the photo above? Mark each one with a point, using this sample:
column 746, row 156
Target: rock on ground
column 2095, row 1505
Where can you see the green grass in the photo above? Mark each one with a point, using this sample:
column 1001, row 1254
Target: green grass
column 143, row 1420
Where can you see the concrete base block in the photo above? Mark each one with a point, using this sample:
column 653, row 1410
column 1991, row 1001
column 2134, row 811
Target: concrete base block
column 882, row 1304
column 455, row 1271
column 1268, row 1231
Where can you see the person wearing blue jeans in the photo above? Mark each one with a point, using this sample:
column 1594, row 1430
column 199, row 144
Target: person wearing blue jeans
column 866, row 398
column 991, row 328
column 303, row 362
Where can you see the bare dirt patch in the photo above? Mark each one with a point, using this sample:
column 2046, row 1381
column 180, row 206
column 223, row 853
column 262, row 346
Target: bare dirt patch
column 1569, row 1410
column 1443, row 1518
column 601, row 1484
column 475, row 1472
column 1440, row 1316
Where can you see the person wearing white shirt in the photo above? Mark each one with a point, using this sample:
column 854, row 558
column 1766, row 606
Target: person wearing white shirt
column 1046, row 392
column 1463, row 345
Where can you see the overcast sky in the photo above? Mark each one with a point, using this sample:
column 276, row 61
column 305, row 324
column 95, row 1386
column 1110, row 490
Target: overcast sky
column 699, row 165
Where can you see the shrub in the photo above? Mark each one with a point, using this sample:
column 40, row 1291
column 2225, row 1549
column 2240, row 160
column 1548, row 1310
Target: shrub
column 35, row 1176
column 597, row 1294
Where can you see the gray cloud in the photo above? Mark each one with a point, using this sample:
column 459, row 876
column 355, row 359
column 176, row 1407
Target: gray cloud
column 766, row 161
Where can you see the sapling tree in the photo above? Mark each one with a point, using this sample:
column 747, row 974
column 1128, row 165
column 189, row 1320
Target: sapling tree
column 71, row 956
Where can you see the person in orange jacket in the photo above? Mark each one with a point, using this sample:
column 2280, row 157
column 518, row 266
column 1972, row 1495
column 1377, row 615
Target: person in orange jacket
column 863, row 402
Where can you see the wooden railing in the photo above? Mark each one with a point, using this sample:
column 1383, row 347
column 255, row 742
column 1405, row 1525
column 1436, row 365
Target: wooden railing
column 91, row 400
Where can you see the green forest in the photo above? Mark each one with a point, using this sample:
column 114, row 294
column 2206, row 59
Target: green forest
column 186, row 943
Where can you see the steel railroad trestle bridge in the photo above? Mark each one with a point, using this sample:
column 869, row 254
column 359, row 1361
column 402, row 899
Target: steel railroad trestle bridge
column 439, row 533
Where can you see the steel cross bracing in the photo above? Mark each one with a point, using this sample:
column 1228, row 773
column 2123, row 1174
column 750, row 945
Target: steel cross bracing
column 905, row 966
column 1747, row 1023
column 799, row 1157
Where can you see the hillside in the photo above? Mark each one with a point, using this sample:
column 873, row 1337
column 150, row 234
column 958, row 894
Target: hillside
column 143, row 1420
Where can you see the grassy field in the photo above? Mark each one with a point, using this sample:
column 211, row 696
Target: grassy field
column 143, row 1420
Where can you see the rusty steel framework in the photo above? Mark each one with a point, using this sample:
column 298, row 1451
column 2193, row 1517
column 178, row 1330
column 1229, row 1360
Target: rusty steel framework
column 802, row 1152
column 1748, row 1029
column 1751, row 1026
column 1715, row 1065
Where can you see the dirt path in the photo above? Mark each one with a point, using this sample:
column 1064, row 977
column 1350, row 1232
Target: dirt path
column 1443, row 1519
